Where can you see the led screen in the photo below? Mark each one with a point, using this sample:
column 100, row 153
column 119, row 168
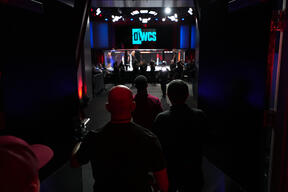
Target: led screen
column 140, row 36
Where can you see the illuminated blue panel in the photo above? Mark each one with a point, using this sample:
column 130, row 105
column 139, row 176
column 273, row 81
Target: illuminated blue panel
column 193, row 37
column 91, row 35
column 101, row 36
column 184, row 37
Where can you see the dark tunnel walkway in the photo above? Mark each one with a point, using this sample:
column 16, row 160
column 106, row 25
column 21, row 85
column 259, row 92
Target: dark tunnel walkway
column 215, row 179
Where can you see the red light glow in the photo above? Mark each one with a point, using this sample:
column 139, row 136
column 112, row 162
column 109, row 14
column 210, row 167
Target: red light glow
column 80, row 93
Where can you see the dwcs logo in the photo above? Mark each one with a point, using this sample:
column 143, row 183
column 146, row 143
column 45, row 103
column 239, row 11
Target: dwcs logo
column 140, row 35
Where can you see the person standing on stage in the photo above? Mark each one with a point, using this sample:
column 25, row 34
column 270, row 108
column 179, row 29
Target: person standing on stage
column 135, row 64
column 152, row 72
column 164, row 78
column 126, row 60
column 180, row 130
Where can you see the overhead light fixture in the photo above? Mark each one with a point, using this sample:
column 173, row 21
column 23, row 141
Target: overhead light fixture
column 190, row 11
column 135, row 12
column 163, row 19
column 98, row 11
column 143, row 11
column 167, row 10
column 144, row 20
column 173, row 18
column 116, row 18
column 153, row 13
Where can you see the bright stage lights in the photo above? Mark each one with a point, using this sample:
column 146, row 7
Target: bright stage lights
column 153, row 13
column 144, row 20
column 98, row 11
column 144, row 11
column 173, row 17
column 116, row 18
column 136, row 12
column 190, row 11
column 167, row 10
column 163, row 19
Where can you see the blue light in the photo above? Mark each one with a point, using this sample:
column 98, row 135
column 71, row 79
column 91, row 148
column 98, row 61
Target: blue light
column 182, row 19
column 106, row 19
column 193, row 37
column 131, row 19
column 101, row 35
column 184, row 36
column 156, row 19
column 91, row 35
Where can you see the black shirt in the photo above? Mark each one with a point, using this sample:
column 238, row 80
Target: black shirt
column 121, row 156
column 180, row 133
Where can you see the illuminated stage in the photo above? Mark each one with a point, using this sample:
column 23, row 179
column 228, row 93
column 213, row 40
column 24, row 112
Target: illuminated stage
column 146, row 55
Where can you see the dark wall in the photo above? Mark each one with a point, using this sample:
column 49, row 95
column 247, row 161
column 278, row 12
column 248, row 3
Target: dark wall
column 40, row 77
column 232, row 76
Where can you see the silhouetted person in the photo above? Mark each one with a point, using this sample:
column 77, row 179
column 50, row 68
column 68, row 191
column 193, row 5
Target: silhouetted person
column 122, row 153
column 121, row 73
column 147, row 106
column 135, row 64
column 116, row 73
column 173, row 69
column 20, row 163
column 143, row 68
column 179, row 130
column 152, row 72
column 164, row 78
column 126, row 60
column 179, row 70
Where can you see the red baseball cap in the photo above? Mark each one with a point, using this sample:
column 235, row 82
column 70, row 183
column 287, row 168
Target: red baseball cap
column 20, row 162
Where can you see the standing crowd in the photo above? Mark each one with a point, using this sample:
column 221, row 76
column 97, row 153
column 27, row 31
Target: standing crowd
column 143, row 148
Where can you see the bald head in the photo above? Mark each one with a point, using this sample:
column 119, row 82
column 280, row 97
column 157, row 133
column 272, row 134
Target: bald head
column 120, row 103
column 120, row 93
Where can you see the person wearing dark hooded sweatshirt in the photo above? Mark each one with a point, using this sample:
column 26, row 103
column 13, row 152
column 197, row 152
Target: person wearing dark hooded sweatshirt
column 180, row 130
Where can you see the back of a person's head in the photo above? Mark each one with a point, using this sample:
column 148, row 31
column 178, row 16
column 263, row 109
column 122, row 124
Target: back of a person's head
column 177, row 91
column 141, row 82
column 120, row 98
column 19, row 164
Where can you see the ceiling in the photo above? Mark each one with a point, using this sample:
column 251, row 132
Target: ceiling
column 177, row 14
column 142, row 3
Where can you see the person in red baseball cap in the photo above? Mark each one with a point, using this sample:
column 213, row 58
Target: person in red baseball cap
column 20, row 163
